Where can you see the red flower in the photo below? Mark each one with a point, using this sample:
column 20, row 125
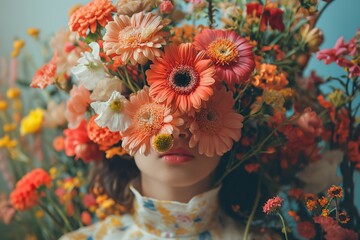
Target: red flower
column 271, row 16
column 306, row 229
column 26, row 195
column 252, row 167
column 77, row 143
column 335, row 192
column 272, row 205
column 333, row 231
column 354, row 153
column 254, row 9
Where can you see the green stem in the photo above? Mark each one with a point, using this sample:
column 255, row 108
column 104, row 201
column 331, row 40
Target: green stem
column 252, row 214
column 60, row 212
column 51, row 215
column 284, row 226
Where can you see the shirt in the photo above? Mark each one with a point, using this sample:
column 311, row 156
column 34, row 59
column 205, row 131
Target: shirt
column 199, row 219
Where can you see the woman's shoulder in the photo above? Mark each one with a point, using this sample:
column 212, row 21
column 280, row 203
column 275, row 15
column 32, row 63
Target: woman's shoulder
column 99, row 229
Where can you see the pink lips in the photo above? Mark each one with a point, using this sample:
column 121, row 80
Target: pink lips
column 177, row 156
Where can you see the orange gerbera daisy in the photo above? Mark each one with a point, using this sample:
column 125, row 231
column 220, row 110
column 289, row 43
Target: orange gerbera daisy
column 216, row 126
column 231, row 54
column 148, row 120
column 93, row 13
column 182, row 77
column 136, row 38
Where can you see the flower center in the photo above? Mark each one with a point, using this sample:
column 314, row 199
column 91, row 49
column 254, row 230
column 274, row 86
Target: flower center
column 207, row 120
column 92, row 65
column 116, row 106
column 163, row 142
column 150, row 118
column 183, row 79
column 129, row 36
column 222, row 51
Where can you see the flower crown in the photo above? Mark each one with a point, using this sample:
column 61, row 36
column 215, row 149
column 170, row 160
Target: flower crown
column 187, row 85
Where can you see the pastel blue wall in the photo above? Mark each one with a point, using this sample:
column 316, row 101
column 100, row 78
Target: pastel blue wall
column 342, row 18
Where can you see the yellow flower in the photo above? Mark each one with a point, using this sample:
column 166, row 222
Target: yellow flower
column 7, row 142
column 337, row 98
column 115, row 151
column 107, row 203
column 3, row 105
column 33, row 122
column 9, row 127
column 13, row 93
column 17, row 45
column 34, row 32
column 311, row 37
column 39, row 214
column 325, row 212
column 31, row 236
column 53, row 172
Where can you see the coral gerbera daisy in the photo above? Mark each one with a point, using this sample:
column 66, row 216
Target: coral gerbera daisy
column 148, row 120
column 45, row 75
column 216, row 126
column 95, row 12
column 182, row 77
column 136, row 39
column 232, row 54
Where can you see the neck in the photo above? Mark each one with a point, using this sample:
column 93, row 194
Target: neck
column 162, row 191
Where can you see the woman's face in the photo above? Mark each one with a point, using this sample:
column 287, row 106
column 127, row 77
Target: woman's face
column 181, row 166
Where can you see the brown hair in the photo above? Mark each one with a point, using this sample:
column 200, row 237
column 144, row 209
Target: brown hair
column 113, row 176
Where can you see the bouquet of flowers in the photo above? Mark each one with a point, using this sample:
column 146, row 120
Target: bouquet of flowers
column 127, row 75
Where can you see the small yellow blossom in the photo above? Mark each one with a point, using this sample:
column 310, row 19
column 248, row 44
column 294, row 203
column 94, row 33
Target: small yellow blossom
column 53, row 172
column 32, row 122
column 39, row 214
column 30, row 236
column 9, row 127
column 337, row 98
column 34, row 32
column 13, row 93
column 323, row 201
column 325, row 212
column 115, row 151
column 3, row 105
column 7, row 142
column 108, row 203
column 17, row 45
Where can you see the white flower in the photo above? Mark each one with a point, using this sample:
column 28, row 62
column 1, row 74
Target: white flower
column 90, row 69
column 320, row 175
column 111, row 113
column 106, row 87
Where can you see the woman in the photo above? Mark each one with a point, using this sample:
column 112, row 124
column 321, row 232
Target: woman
column 171, row 195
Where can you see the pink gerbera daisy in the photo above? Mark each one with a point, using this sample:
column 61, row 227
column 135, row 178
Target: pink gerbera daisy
column 136, row 39
column 182, row 77
column 148, row 120
column 232, row 54
column 216, row 126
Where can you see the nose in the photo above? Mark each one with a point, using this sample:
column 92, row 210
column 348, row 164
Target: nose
column 182, row 134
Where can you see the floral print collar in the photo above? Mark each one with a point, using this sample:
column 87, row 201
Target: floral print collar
column 171, row 219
